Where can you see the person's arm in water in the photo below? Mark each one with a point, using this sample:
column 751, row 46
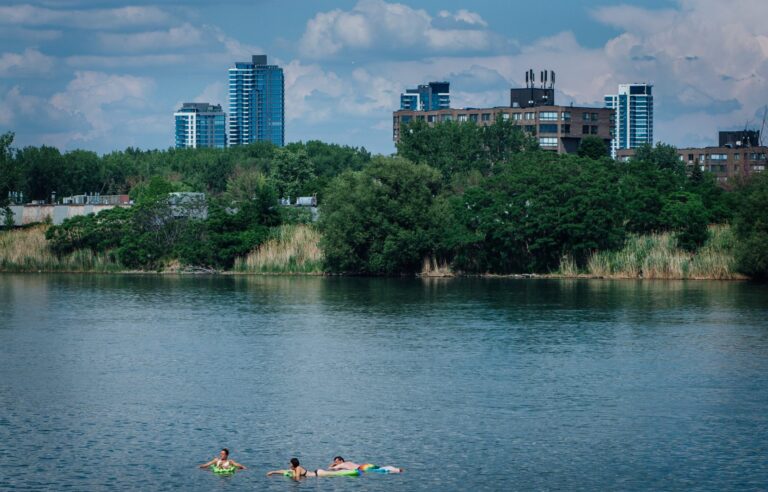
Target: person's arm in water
column 238, row 465
column 278, row 472
column 207, row 465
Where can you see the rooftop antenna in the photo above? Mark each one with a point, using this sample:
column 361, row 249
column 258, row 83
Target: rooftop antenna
column 552, row 79
column 526, row 79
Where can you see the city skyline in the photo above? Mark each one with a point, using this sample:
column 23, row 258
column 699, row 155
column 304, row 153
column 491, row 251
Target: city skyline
column 107, row 75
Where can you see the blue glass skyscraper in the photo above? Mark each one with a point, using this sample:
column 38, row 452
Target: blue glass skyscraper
column 256, row 102
column 200, row 125
column 633, row 125
column 427, row 97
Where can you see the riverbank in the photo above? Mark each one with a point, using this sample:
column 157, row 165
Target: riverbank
column 295, row 250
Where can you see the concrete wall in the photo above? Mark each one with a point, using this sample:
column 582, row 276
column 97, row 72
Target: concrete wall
column 29, row 214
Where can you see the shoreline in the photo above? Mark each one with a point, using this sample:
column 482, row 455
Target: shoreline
column 517, row 276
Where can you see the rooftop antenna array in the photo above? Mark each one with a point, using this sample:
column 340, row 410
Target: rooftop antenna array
column 546, row 79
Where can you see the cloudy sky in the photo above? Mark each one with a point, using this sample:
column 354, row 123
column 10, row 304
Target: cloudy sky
column 105, row 75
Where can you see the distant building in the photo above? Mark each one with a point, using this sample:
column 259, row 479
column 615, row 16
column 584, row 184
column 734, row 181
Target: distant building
column 733, row 158
column 427, row 97
column 634, row 116
column 256, row 102
column 200, row 125
column 557, row 128
column 739, row 138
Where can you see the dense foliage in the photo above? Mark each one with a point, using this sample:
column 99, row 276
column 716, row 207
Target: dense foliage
column 751, row 224
column 477, row 198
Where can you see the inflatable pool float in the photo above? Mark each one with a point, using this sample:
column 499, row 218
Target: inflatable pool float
column 223, row 471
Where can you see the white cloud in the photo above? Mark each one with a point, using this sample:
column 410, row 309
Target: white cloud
column 379, row 25
column 104, row 100
column 30, row 62
column 181, row 36
column 30, row 15
column 464, row 16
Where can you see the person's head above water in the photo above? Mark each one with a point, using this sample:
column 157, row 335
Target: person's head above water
column 294, row 462
column 338, row 459
column 224, row 453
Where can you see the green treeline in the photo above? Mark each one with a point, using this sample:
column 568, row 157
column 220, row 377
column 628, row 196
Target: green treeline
column 475, row 199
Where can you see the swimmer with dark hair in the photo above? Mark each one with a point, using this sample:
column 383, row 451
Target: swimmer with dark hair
column 296, row 472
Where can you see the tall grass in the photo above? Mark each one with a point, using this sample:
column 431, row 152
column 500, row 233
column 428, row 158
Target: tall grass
column 291, row 249
column 431, row 267
column 26, row 250
column 656, row 256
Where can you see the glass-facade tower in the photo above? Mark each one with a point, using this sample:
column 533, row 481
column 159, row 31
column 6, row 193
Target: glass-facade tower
column 427, row 97
column 633, row 125
column 256, row 102
column 200, row 125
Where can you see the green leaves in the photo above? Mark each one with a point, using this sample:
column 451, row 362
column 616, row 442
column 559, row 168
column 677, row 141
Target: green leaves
column 379, row 220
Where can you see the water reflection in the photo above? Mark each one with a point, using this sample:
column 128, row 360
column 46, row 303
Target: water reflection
column 561, row 384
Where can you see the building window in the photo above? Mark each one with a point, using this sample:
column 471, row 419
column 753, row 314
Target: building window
column 690, row 157
column 420, row 118
column 473, row 117
column 548, row 141
column 585, row 116
column 530, row 116
column 530, row 129
column 548, row 128
column 516, row 116
column 548, row 116
column 505, row 116
column 486, row 117
column 593, row 116
column 447, row 117
column 431, row 118
column 594, row 130
column 566, row 116
column 756, row 157
column 462, row 117
column 585, row 129
column 565, row 128
column 736, row 156
column 718, row 157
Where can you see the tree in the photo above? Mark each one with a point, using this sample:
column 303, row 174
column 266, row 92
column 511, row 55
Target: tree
column 593, row 147
column 685, row 213
column 293, row 172
column 449, row 147
column 534, row 210
column 751, row 227
column 379, row 220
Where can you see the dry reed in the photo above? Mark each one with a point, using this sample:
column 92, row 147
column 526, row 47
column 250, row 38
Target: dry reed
column 292, row 249
column 656, row 256
column 26, row 250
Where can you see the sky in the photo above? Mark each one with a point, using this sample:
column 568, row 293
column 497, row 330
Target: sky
column 106, row 75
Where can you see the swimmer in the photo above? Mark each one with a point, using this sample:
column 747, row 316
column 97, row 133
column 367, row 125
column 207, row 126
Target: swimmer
column 340, row 464
column 223, row 462
column 296, row 471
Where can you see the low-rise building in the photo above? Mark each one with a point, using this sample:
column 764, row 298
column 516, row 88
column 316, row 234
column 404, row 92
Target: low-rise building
column 557, row 128
column 726, row 162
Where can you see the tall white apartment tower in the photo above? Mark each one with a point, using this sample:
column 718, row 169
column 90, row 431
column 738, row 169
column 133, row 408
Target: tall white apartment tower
column 633, row 106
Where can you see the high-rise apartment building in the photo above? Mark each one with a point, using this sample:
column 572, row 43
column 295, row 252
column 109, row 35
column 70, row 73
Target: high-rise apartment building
column 256, row 102
column 427, row 97
column 634, row 116
column 200, row 125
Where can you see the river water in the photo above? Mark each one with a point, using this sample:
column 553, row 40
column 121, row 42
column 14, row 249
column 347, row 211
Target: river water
column 129, row 382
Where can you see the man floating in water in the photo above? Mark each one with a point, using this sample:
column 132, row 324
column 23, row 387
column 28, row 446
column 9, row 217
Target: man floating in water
column 222, row 463
column 339, row 464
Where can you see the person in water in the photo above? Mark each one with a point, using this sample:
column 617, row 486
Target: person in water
column 340, row 464
column 296, row 471
column 223, row 462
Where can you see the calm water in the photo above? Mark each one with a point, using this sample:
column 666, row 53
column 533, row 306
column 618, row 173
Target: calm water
column 128, row 382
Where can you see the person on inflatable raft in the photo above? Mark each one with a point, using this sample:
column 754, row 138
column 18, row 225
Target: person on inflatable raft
column 223, row 464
